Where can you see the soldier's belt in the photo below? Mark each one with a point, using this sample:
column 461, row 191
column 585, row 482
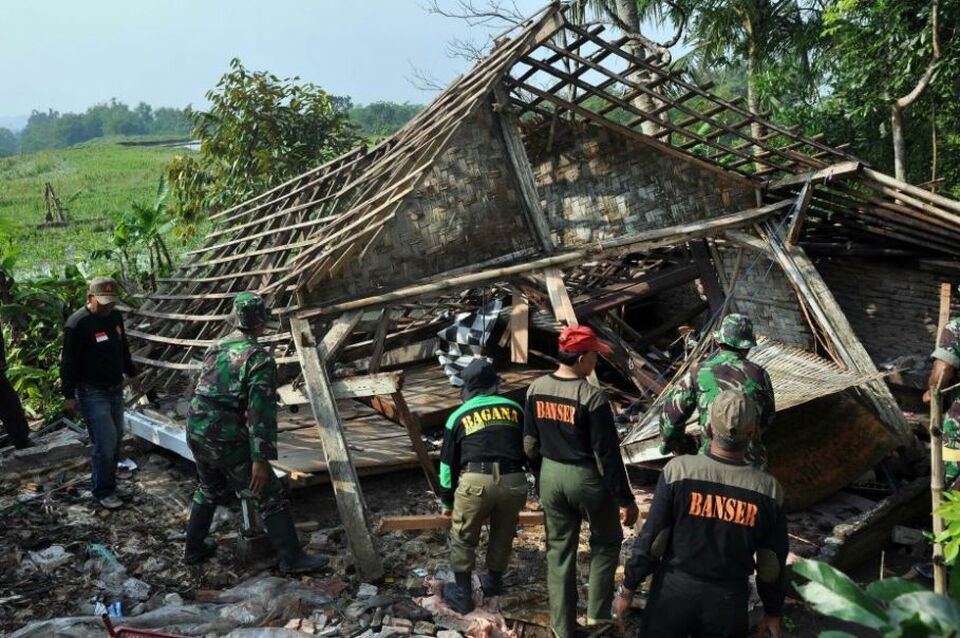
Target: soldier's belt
column 504, row 467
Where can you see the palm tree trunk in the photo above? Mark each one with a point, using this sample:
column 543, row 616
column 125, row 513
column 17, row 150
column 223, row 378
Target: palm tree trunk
column 753, row 98
column 899, row 143
column 627, row 14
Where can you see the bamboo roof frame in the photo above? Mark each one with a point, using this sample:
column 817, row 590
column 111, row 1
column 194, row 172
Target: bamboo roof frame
column 288, row 240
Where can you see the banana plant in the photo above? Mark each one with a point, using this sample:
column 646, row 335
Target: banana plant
column 893, row 607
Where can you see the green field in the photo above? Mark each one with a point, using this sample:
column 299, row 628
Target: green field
column 94, row 180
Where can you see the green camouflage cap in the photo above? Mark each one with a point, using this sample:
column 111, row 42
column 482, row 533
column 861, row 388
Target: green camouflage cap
column 249, row 311
column 736, row 331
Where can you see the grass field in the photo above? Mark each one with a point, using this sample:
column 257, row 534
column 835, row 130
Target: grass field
column 94, row 181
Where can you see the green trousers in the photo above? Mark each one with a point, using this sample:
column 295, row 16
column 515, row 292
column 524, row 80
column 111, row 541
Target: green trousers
column 569, row 495
column 479, row 497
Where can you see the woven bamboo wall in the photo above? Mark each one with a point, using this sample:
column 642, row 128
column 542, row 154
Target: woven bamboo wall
column 596, row 184
column 892, row 306
column 465, row 211
column 767, row 297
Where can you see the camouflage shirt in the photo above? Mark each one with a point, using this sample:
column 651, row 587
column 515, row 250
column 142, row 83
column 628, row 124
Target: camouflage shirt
column 236, row 396
column 696, row 390
column 949, row 352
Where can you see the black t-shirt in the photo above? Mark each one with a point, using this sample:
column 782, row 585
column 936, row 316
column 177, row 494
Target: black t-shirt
column 708, row 519
column 570, row 421
column 95, row 352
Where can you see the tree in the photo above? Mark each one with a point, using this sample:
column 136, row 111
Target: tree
column 260, row 131
column 8, row 143
column 379, row 119
column 890, row 55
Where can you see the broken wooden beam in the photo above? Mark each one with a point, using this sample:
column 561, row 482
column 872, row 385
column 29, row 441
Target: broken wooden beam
column 646, row 240
column 368, row 385
column 343, row 475
column 439, row 521
column 649, row 285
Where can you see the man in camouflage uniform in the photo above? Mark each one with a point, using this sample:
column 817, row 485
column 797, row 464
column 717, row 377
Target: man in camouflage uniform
column 728, row 369
column 946, row 362
column 232, row 432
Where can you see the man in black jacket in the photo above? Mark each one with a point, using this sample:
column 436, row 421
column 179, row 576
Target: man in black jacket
column 711, row 514
column 95, row 359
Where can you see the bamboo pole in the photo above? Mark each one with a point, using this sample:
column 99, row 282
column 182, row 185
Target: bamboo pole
column 936, row 486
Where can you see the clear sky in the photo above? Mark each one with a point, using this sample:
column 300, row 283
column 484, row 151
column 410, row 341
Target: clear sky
column 70, row 54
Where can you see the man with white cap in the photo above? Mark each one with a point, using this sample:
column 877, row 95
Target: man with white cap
column 95, row 359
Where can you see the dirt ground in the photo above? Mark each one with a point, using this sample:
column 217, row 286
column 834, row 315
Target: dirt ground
column 146, row 539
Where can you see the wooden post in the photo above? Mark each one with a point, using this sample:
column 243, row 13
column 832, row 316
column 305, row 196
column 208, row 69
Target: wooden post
column 936, row 451
column 946, row 292
column 343, row 476
column 409, row 421
column 379, row 341
column 519, row 327
column 522, row 170
column 936, row 486
column 708, row 274
column 792, row 236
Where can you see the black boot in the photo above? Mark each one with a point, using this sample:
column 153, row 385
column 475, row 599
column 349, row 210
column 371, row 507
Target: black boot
column 492, row 584
column 199, row 547
column 459, row 595
column 283, row 536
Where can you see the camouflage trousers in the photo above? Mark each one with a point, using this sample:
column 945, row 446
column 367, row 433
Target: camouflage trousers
column 224, row 471
column 951, row 445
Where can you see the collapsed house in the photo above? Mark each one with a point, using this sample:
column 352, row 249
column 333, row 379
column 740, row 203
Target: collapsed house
column 563, row 180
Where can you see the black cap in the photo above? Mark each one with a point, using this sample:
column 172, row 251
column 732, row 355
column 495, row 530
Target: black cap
column 478, row 377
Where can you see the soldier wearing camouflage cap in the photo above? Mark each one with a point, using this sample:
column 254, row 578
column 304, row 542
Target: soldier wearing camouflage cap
column 232, row 432
column 727, row 369
column 946, row 362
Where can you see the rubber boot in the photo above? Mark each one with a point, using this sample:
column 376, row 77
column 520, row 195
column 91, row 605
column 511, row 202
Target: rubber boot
column 492, row 584
column 283, row 537
column 459, row 595
column 199, row 546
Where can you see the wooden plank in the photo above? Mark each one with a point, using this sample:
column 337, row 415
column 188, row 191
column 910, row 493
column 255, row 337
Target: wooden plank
column 439, row 521
column 415, row 432
column 792, row 236
column 369, row 385
column 529, row 196
column 562, row 306
column 559, row 297
column 338, row 334
column 343, row 476
column 519, row 327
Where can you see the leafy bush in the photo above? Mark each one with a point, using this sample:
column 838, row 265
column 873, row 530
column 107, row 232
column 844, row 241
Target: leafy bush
column 893, row 607
column 260, row 131
column 33, row 313
column 949, row 510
